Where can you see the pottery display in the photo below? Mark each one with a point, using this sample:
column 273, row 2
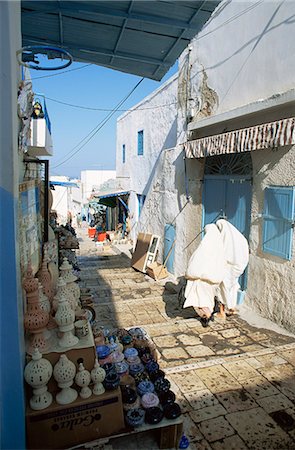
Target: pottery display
column 45, row 278
column 102, row 351
column 135, row 369
column 81, row 328
column 98, row 375
column 111, row 381
column 153, row 415
column 172, row 411
column 35, row 319
column 149, row 400
column 37, row 374
column 82, row 379
column 65, row 318
column 66, row 273
column 144, row 387
column 61, row 291
column 152, row 366
column 135, row 417
column 162, row 385
column 127, row 381
column 64, row 373
column 130, row 353
column 166, row 397
column 156, row 374
column 45, row 306
column 130, row 399
column 109, row 367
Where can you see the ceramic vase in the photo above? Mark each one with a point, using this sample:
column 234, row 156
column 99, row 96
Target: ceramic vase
column 45, row 278
column 64, row 373
column 45, row 306
column 61, row 290
column 35, row 319
column 37, row 374
column 66, row 272
column 65, row 318
column 82, row 379
column 98, row 375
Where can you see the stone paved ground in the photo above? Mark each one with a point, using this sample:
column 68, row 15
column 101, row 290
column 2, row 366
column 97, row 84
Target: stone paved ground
column 235, row 383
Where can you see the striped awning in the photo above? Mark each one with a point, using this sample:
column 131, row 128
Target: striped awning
column 266, row 135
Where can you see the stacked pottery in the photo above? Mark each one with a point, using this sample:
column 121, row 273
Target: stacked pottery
column 35, row 319
column 66, row 271
column 98, row 375
column 62, row 291
column 45, row 278
column 65, row 318
column 45, row 306
column 82, row 379
column 149, row 400
column 37, row 374
column 130, row 399
column 135, row 417
column 104, row 354
column 145, row 387
column 121, row 365
column 64, row 373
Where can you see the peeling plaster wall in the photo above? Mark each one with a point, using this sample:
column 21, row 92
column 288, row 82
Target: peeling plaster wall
column 166, row 203
column 156, row 115
column 246, row 51
column 243, row 55
column 271, row 279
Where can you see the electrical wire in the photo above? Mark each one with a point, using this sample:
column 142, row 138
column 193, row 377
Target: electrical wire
column 103, row 109
column 98, row 127
column 61, row 73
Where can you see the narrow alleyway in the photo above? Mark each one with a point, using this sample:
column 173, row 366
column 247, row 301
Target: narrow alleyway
column 235, row 383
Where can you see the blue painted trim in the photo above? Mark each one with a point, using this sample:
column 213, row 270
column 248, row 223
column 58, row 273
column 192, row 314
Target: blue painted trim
column 12, row 405
column 140, row 143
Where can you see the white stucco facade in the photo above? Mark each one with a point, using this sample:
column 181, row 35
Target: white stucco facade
column 92, row 179
column 156, row 116
column 238, row 72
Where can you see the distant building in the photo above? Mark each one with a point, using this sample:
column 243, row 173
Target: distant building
column 67, row 198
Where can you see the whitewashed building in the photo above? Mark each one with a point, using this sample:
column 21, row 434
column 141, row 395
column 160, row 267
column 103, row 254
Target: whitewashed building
column 234, row 151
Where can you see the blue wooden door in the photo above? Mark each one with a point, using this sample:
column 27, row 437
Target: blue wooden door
column 169, row 238
column 229, row 197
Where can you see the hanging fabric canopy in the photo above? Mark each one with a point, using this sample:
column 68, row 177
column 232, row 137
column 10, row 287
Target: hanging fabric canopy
column 266, row 135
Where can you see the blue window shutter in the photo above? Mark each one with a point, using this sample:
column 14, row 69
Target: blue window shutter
column 141, row 200
column 140, row 142
column 123, row 153
column 278, row 221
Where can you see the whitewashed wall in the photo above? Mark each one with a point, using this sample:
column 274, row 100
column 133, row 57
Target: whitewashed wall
column 156, row 115
column 93, row 178
column 244, row 56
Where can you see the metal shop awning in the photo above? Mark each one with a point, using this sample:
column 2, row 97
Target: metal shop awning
column 266, row 135
column 110, row 198
column 144, row 38
column 63, row 183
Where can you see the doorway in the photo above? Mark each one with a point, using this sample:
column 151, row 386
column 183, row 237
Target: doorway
column 227, row 193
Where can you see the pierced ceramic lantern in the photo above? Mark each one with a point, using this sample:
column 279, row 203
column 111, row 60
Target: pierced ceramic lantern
column 64, row 373
column 62, row 291
column 82, row 379
column 45, row 306
column 37, row 374
column 65, row 318
column 35, row 319
column 98, row 375
column 66, row 272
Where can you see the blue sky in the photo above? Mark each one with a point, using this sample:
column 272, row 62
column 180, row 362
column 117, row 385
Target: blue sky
column 92, row 86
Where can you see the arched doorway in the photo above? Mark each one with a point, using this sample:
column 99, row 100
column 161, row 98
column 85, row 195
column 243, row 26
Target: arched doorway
column 227, row 192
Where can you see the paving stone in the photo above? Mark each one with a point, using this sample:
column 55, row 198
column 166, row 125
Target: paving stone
column 230, row 333
column 275, row 403
column 289, row 355
column 174, row 353
column 238, row 400
column 218, row 379
column 230, row 443
column 254, row 363
column 190, row 429
column 199, row 351
column 202, row 445
column 201, row 399
column 259, row 387
column 227, row 351
column 241, row 341
column 208, row 412
column 183, row 402
column 216, row 429
column 252, row 348
column 270, row 360
column 283, row 377
column 165, row 341
column 258, row 430
column 187, row 339
column 187, row 381
column 241, row 370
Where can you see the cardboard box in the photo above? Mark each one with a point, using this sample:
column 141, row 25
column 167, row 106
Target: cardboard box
column 64, row 426
column 156, row 271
